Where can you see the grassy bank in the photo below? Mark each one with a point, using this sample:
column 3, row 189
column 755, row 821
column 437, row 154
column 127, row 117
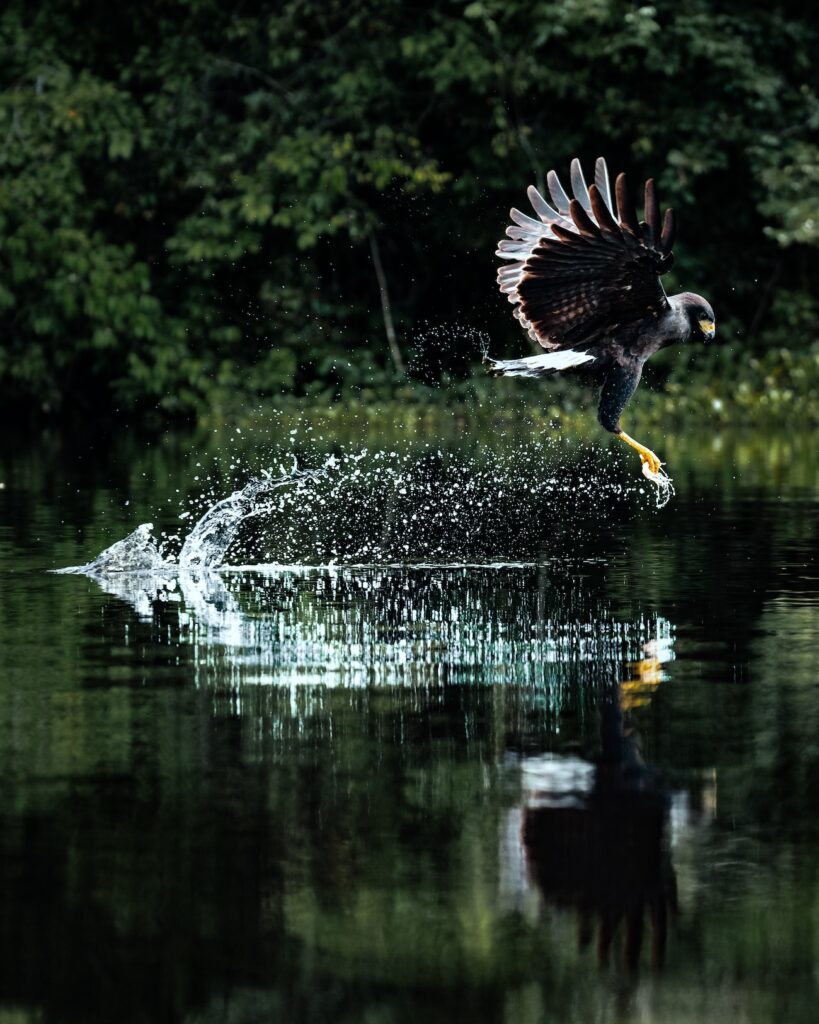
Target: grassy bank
column 780, row 389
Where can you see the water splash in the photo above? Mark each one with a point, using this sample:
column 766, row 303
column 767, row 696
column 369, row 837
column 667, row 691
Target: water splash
column 664, row 485
column 138, row 552
column 207, row 544
column 471, row 526
column 422, row 503
column 430, row 503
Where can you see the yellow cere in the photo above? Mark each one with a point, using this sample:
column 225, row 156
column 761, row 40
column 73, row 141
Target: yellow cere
column 707, row 326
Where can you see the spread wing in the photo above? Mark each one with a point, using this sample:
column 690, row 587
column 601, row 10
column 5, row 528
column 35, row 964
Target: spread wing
column 586, row 268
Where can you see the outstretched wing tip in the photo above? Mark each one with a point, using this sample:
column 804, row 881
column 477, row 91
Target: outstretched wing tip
column 558, row 193
column 669, row 232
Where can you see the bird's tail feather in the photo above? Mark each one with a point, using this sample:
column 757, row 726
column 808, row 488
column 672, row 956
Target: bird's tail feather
column 537, row 366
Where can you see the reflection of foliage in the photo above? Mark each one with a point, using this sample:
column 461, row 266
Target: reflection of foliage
column 188, row 191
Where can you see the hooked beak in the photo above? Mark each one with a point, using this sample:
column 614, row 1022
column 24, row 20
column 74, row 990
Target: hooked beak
column 708, row 328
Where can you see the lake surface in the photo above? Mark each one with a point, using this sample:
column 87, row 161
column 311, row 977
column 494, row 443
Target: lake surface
column 471, row 732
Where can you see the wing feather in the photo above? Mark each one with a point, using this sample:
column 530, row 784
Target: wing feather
column 586, row 268
column 601, row 180
column 581, row 193
column 652, row 215
column 541, row 207
column 602, row 213
column 626, row 213
column 583, row 222
column 559, row 197
column 524, row 221
column 669, row 233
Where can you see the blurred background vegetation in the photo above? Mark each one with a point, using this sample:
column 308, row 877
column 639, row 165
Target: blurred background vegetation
column 204, row 205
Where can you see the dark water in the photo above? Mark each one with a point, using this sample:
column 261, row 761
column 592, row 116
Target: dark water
column 576, row 784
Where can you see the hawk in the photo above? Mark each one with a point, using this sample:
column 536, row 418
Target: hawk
column 585, row 282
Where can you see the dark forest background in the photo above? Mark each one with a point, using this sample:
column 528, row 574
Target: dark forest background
column 197, row 198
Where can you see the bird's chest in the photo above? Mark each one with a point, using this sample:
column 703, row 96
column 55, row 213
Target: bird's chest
column 637, row 345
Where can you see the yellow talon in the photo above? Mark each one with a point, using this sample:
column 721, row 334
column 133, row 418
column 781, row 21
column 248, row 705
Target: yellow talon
column 646, row 454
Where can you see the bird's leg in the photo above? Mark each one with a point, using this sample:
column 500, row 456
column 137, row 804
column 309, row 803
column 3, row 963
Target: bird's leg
column 619, row 385
column 646, row 454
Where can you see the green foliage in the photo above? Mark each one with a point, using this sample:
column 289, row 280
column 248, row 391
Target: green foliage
column 792, row 181
column 187, row 192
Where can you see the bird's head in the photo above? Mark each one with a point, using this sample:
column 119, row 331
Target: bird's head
column 700, row 315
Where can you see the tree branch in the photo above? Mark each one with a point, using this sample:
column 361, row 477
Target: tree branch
column 386, row 311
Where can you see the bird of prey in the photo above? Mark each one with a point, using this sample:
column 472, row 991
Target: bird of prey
column 585, row 283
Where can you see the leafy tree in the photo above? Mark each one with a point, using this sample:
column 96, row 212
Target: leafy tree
column 195, row 202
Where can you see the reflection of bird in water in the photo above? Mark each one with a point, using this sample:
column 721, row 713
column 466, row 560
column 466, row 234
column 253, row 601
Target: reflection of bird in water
column 603, row 850
column 644, row 678
column 585, row 282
